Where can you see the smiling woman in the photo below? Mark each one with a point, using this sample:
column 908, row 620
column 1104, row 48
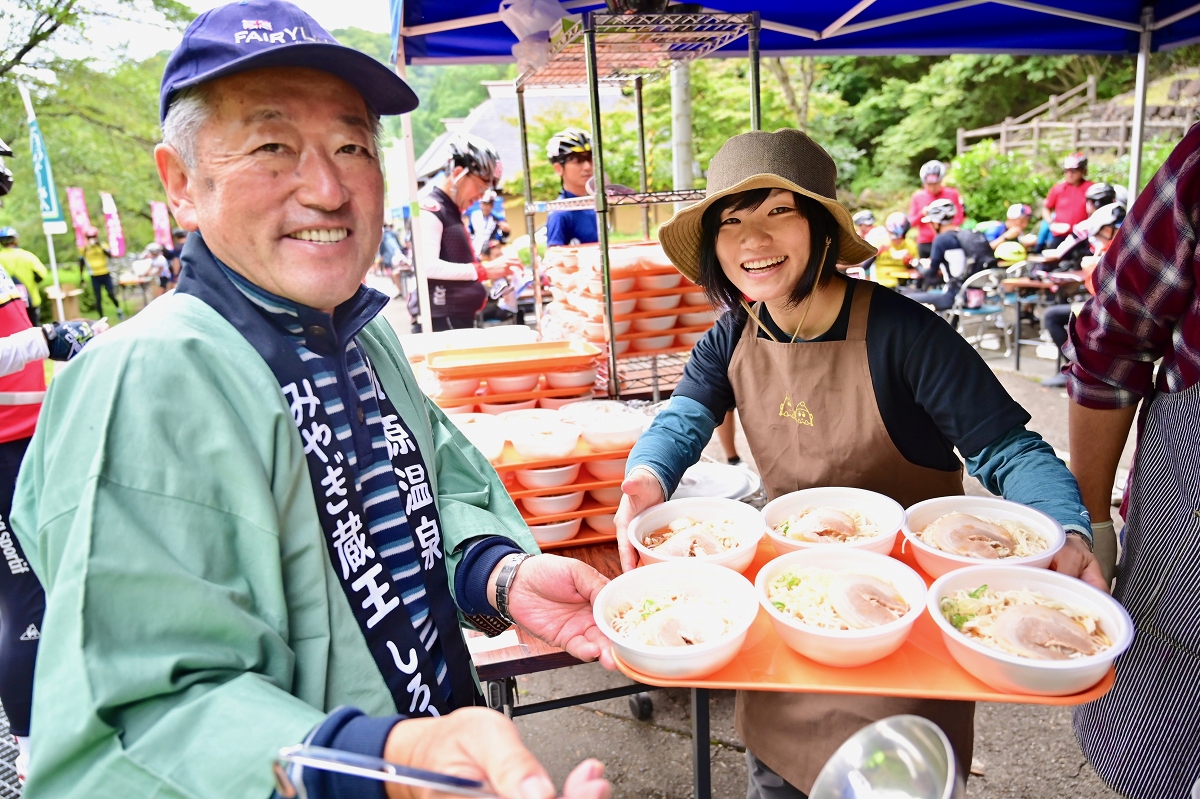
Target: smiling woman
column 837, row 382
column 758, row 245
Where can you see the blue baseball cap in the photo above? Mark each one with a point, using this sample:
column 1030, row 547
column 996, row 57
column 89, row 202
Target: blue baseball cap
column 255, row 34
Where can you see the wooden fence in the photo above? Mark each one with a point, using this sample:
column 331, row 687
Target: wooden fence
column 1109, row 127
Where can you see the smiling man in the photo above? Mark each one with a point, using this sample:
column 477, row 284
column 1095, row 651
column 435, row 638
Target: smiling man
column 252, row 527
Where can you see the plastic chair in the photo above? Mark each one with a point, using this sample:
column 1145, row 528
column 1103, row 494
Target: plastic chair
column 989, row 315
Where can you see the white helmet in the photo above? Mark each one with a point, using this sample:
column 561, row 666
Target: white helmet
column 932, row 169
column 864, row 217
column 940, row 212
column 1111, row 215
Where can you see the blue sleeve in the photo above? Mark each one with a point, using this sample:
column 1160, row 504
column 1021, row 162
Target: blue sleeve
column 1022, row 467
column 478, row 562
column 349, row 730
column 558, row 230
column 674, row 441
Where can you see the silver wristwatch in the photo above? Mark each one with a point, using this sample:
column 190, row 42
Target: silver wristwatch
column 504, row 581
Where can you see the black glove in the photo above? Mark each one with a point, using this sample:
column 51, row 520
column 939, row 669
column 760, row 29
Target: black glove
column 66, row 339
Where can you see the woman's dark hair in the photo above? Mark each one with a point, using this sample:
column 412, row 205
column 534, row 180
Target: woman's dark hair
column 817, row 271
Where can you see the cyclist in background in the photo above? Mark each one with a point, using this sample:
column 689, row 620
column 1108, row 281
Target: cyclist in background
column 894, row 258
column 570, row 153
column 932, row 190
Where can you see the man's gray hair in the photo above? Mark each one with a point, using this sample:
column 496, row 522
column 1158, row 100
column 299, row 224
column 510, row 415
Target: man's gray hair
column 185, row 116
column 189, row 111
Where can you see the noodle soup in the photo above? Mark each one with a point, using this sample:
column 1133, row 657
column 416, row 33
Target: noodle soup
column 688, row 537
column 835, row 600
column 673, row 619
column 981, row 537
column 828, row 526
column 1025, row 623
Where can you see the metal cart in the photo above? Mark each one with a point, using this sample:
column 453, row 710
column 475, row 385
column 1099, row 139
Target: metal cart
column 628, row 48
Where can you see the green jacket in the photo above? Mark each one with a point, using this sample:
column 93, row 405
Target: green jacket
column 194, row 623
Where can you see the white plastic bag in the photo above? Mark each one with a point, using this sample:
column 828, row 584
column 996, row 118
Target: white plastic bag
column 527, row 17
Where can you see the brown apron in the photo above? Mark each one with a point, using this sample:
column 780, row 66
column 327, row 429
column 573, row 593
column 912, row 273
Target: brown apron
column 811, row 420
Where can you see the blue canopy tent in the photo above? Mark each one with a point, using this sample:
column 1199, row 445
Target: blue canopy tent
column 470, row 31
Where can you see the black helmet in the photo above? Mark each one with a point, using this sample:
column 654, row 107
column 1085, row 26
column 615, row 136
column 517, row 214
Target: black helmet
column 565, row 143
column 1101, row 194
column 475, row 155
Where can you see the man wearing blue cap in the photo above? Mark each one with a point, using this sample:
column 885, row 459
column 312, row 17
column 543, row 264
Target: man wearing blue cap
column 252, row 527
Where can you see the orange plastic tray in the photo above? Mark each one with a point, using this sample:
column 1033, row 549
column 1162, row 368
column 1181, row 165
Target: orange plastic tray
column 541, row 391
column 921, row 668
column 671, row 331
column 590, row 507
column 586, row 537
column 510, row 460
column 585, row 482
column 512, row 359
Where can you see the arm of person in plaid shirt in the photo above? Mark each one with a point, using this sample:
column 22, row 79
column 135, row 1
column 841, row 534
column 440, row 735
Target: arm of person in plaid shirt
column 1145, row 306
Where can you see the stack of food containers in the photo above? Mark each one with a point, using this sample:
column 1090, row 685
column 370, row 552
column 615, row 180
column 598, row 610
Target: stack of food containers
column 510, row 378
column 562, row 463
column 656, row 311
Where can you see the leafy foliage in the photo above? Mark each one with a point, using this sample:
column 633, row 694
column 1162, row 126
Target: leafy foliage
column 990, row 182
column 100, row 129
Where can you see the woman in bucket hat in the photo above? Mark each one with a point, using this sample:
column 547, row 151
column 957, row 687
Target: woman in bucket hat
column 837, row 383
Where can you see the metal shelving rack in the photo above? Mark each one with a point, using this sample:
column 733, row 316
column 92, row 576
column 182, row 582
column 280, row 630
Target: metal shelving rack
column 627, row 48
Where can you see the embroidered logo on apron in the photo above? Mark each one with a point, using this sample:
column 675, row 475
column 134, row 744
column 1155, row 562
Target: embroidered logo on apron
column 800, row 414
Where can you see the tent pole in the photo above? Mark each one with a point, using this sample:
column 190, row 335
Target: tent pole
column 530, row 222
column 593, row 79
column 414, row 207
column 644, row 183
column 681, row 128
column 755, row 81
column 1139, row 104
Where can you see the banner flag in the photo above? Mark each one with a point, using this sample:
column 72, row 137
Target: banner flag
column 80, row 219
column 112, row 221
column 47, row 193
column 161, row 221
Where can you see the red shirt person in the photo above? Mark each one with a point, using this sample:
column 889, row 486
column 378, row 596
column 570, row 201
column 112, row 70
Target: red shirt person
column 932, row 173
column 1067, row 201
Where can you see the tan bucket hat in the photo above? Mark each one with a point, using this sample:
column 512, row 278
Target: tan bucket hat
column 785, row 159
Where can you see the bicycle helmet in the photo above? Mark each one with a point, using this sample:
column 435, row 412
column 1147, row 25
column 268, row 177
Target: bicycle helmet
column 939, row 212
column 8, row 232
column 933, row 169
column 1011, row 252
column 489, row 196
column 1122, row 195
column 1101, row 194
column 864, row 218
column 1019, row 210
column 1075, row 161
column 475, row 155
column 897, row 224
column 566, row 143
column 1112, row 214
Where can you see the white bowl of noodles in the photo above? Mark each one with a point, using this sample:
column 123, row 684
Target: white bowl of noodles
column 803, row 593
column 715, row 530
column 972, row 608
column 676, row 621
column 1035, row 536
column 818, row 517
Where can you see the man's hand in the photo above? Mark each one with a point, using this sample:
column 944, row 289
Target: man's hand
column 1076, row 560
column 552, row 598
column 480, row 744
